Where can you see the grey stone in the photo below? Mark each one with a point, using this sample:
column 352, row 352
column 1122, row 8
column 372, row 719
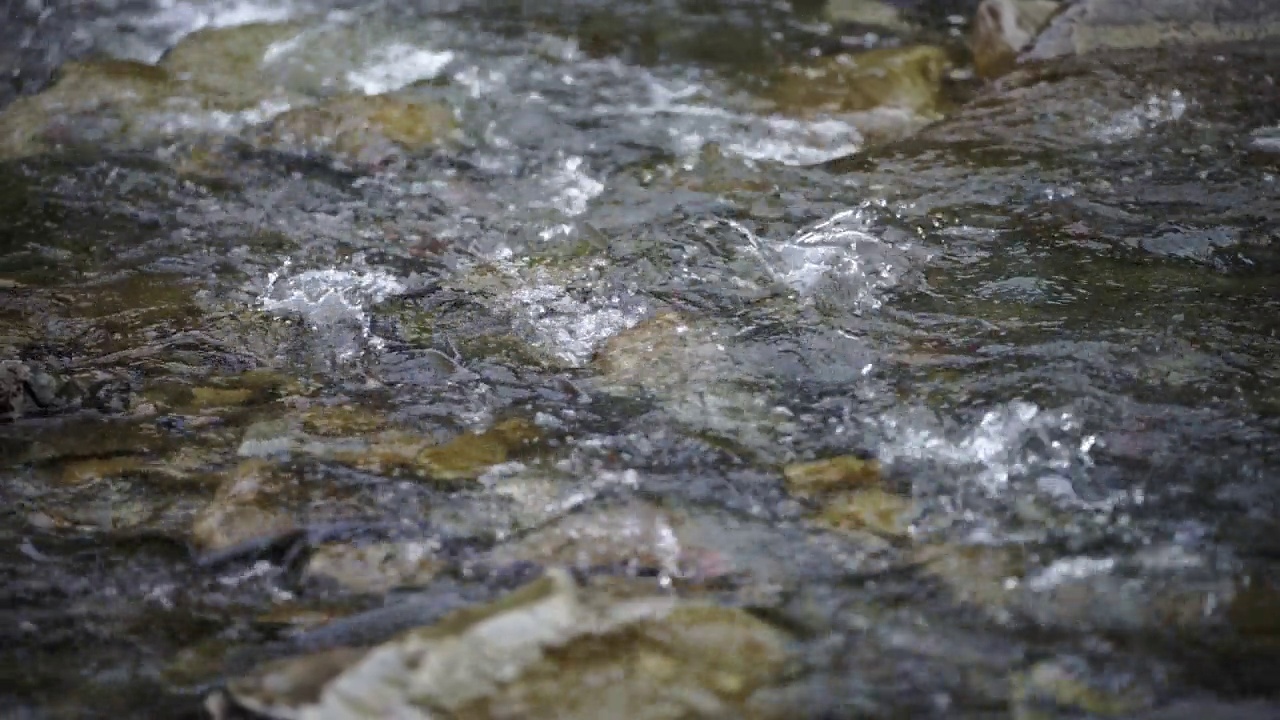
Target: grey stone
column 1093, row 25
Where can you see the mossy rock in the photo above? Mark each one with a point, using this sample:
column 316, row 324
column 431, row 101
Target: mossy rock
column 871, row 510
column 906, row 79
column 1049, row 687
column 845, row 472
column 101, row 95
column 468, row 456
column 342, row 421
column 362, row 129
column 222, row 68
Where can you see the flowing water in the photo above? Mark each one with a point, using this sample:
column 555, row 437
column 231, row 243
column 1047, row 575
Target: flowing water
column 440, row 276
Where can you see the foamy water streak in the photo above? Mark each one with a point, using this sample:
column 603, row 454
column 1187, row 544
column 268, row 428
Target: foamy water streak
column 396, row 66
column 681, row 113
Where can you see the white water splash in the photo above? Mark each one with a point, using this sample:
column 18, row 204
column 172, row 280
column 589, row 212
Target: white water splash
column 571, row 329
column 754, row 137
column 217, row 121
column 1129, row 124
column 840, row 256
column 332, row 300
column 571, row 188
column 177, row 19
column 1067, row 570
column 397, row 66
column 1015, row 440
column 797, row 142
column 569, row 325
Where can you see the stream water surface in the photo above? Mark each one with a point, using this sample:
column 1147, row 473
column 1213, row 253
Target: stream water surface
column 320, row 322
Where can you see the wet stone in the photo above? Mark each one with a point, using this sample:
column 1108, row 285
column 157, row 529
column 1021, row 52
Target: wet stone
column 102, row 94
column 632, row 536
column 268, row 438
column 361, row 129
column 1004, row 28
column 904, row 79
column 224, row 66
column 84, row 471
column 244, row 507
column 344, row 420
column 1090, row 26
column 872, row 510
column 985, row 576
column 872, row 13
column 376, row 567
column 468, row 456
column 1051, row 686
column 549, row 650
column 845, row 472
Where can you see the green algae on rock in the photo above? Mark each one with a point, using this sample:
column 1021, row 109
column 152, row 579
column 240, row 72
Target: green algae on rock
column 223, row 67
column 196, row 87
column 468, row 456
column 367, row 130
column 871, row 510
column 110, row 93
column 548, row 650
column 344, row 420
column 845, row 472
column 464, row 458
column 907, row 79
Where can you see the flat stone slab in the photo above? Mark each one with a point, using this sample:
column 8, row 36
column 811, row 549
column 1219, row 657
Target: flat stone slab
column 1092, row 25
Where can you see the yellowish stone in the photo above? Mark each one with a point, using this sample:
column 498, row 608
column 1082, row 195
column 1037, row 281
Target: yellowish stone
column 845, row 472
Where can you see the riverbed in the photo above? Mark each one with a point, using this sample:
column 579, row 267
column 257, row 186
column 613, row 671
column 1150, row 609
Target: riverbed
column 708, row 325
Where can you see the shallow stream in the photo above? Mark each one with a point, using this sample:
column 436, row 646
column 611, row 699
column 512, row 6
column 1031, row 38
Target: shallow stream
column 320, row 322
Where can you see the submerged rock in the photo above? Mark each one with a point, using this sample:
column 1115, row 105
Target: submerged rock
column 1051, row 686
column 342, row 421
column 361, row 129
column 906, row 79
column 632, row 536
column 549, row 650
column 468, row 456
column 1156, row 590
column 872, row 510
column 464, row 458
column 211, row 81
column 845, row 472
column 874, row 13
column 90, row 101
column 242, row 509
column 224, row 67
column 699, row 377
column 375, row 567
